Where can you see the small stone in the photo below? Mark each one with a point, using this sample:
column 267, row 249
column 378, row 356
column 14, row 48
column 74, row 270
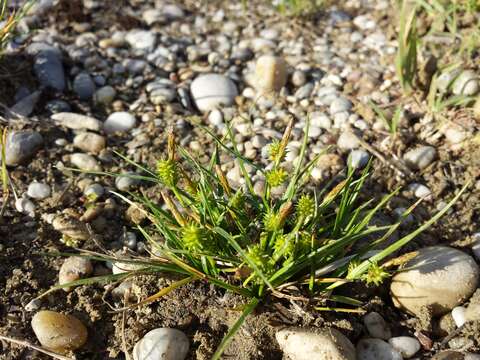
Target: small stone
column 215, row 118
column 25, row 106
column 420, row 191
column 321, row 344
column 162, row 95
column 74, row 268
column 21, row 146
column 94, row 191
column 407, row 346
column 270, row 73
column 340, row 105
column 141, row 39
column 358, row 159
column 376, row 349
column 299, row 78
column 90, row 142
column 376, row 326
column 467, row 83
column 126, row 182
column 438, row 278
column 321, row 120
column 58, row 332
column 25, row 206
column 38, row 191
column 458, row 315
column 210, row 91
column 420, row 157
column 85, row 162
column 48, row 68
column 348, row 141
column 71, row 227
column 84, row 86
column 454, row 355
column 304, row 92
column 105, row 95
column 120, row 121
column 162, row 343
column 76, row 121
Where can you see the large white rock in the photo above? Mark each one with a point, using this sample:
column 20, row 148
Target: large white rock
column 438, row 278
column 209, row 91
column 162, row 343
column 305, row 344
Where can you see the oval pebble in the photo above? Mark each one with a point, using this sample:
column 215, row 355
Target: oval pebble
column 84, row 162
column 209, row 91
column 407, row 346
column 58, row 332
column 90, row 142
column 458, row 315
column 76, row 121
column 38, row 191
column 420, row 157
column 74, row 268
column 162, row 343
column 120, row 121
column 376, row 326
column 376, row 349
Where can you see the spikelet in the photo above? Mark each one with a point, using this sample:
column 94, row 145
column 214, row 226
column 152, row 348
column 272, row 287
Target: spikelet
column 276, row 177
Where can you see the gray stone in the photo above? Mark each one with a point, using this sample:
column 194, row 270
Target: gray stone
column 48, row 66
column 120, row 121
column 105, row 95
column 126, row 182
column 438, row 278
column 210, row 91
column 85, row 162
column 407, row 346
column 77, row 121
column 304, row 92
column 94, row 190
column 25, row 106
column 141, row 39
column 376, row 349
column 84, row 86
column 321, row 344
column 376, row 326
column 162, row 343
column 340, row 104
column 420, row 157
column 358, row 159
column 38, row 190
column 162, row 95
column 22, row 146
column 90, row 142
column 25, row 206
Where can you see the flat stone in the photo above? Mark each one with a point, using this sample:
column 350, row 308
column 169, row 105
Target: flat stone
column 58, row 332
column 77, row 121
column 210, row 91
column 22, row 146
column 438, row 278
column 162, row 343
column 318, row 344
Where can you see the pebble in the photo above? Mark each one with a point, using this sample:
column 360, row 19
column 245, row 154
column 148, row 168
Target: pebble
column 318, row 344
column 71, row 227
column 77, row 121
column 340, row 105
column 439, row 278
column 209, row 91
column 376, row 326
column 141, row 39
column 162, row 343
column 25, row 106
column 455, row 355
column 58, row 332
column 126, row 182
column 94, row 190
column 105, row 95
column 270, row 73
column 90, row 142
column 467, row 83
column 304, row 92
column 22, row 146
column 215, row 118
column 84, row 86
column 407, row 346
column 358, row 159
column 25, row 206
column 420, row 157
column 347, row 141
column 120, row 121
column 420, row 191
column 74, row 268
column 458, row 315
column 38, row 191
column 321, row 120
column 48, row 67
column 376, row 349
column 85, row 162
column 298, row 78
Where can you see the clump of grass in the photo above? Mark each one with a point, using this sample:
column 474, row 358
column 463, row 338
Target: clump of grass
column 406, row 59
column 391, row 123
column 259, row 245
column 9, row 20
column 298, row 7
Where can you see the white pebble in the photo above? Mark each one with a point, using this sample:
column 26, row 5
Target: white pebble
column 25, row 206
column 121, row 121
column 162, row 343
column 407, row 346
column 458, row 315
column 420, row 191
column 38, row 190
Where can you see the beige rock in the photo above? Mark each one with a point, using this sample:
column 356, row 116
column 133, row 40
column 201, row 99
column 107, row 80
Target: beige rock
column 70, row 227
column 74, row 268
column 58, row 332
column 305, row 344
column 89, row 142
column 438, row 279
column 270, row 73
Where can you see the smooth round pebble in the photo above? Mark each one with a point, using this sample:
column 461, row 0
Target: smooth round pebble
column 120, row 121
column 105, row 95
column 74, row 268
column 38, row 191
column 21, row 146
column 358, row 158
column 376, row 326
column 420, row 157
column 84, row 86
column 58, row 332
column 407, row 346
column 126, row 182
column 439, row 278
column 210, row 91
column 270, row 73
column 318, row 344
column 90, row 142
column 25, row 206
column 376, row 349
column 458, row 315
column 348, row 141
column 84, row 162
column 162, row 343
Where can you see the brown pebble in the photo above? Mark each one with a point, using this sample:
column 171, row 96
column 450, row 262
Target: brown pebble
column 74, row 268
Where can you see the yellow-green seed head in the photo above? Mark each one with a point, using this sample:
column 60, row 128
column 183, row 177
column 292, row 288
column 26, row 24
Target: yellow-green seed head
column 375, row 275
column 305, row 206
column 275, row 151
column 167, row 172
column 258, row 257
column 283, row 245
column 193, row 237
column 276, row 177
column 271, row 221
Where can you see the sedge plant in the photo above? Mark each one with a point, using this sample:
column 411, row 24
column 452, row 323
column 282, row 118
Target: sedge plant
column 406, row 58
column 258, row 244
column 9, row 20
